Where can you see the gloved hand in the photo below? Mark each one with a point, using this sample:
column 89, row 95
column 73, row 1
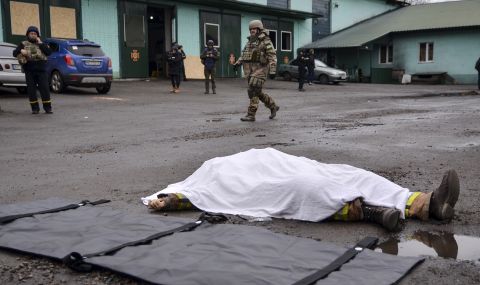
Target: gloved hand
column 272, row 75
column 236, row 66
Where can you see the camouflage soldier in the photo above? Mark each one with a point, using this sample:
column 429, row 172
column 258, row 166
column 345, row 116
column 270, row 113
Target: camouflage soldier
column 259, row 60
column 209, row 57
column 32, row 55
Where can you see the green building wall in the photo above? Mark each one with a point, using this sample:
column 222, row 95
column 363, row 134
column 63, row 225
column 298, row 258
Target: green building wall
column 345, row 13
column 454, row 52
column 100, row 25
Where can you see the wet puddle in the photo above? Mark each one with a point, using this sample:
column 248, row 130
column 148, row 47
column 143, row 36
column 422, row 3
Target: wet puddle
column 437, row 244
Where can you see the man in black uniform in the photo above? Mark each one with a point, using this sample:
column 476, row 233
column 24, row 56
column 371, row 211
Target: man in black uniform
column 32, row 55
column 209, row 57
column 302, row 61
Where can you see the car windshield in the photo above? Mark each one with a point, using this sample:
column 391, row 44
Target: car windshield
column 6, row 51
column 86, row 50
column 319, row 63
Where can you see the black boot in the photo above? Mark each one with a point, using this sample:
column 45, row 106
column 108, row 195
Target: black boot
column 386, row 217
column 248, row 118
column 273, row 112
column 445, row 197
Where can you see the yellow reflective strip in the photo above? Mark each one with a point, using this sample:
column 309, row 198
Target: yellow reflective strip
column 33, row 102
column 342, row 214
column 46, row 102
column 410, row 201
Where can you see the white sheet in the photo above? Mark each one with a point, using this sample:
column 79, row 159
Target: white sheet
column 270, row 183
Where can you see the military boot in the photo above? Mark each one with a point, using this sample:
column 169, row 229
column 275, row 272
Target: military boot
column 445, row 197
column 248, row 118
column 388, row 218
column 273, row 112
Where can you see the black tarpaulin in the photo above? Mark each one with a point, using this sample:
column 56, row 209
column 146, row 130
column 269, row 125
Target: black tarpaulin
column 208, row 254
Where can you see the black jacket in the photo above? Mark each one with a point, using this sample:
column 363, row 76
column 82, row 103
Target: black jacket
column 174, row 59
column 302, row 61
column 311, row 61
column 34, row 65
column 477, row 65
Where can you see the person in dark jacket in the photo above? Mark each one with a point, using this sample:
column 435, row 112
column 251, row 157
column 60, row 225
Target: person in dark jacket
column 184, row 56
column 302, row 61
column 477, row 67
column 311, row 66
column 209, row 57
column 174, row 59
column 32, row 55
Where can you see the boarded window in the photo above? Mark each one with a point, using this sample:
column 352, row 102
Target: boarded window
column 426, row 52
column 212, row 32
column 386, row 54
column 286, row 41
column 63, row 22
column 134, row 30
column 23, row 15
column 273, row 37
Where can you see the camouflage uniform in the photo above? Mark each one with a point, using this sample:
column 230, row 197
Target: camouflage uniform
column 259, row 59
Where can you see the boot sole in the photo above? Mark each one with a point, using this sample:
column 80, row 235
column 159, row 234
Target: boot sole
column 445, row 209
column 391, row 220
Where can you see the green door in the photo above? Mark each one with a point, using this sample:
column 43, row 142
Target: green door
column 231, row 44
column 224, row 30
column 133, row 43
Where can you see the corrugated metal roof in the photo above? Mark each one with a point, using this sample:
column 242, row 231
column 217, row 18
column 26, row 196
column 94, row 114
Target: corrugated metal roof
column 444, row 15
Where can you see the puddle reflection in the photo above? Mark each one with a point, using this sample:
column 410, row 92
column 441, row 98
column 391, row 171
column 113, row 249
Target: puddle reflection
column 439, row 244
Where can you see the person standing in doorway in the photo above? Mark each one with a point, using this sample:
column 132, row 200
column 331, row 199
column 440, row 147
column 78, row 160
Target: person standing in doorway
column 174, row 59
column 302, row 61
column 32, row 55
column 477, row 67
column 209, row 58
column 259, row 59
column 311, row 66
column 184, row 56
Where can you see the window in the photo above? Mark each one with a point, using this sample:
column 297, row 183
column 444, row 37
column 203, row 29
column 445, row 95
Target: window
column 134, row 29
column 386, row 54
column 54, row 47
column 86, row 50
column 212, row 32
column 273, row 36
column 174, row 30
column 426, row 52
column 286, row 41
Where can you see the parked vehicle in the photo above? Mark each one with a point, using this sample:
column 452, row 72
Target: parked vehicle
column 323, row 73
column 11, row 74
column 79, row 63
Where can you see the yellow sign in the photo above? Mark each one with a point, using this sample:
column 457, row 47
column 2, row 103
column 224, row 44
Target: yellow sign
column 135, row 55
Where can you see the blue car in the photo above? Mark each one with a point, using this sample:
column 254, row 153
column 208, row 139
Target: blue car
column 79, row 63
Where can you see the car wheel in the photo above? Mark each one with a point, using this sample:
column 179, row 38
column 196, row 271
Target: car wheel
column 22, row 90
column 287, row 76
column 323, row 79
column 104, row 88
column 56, row 82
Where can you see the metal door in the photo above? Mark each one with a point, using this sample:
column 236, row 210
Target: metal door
column 134, row 58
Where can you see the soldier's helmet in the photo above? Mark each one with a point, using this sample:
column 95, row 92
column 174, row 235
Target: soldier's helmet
column 33, row 29
column 255, row 24
column 210, row 43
